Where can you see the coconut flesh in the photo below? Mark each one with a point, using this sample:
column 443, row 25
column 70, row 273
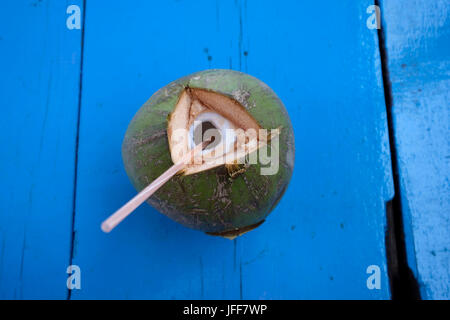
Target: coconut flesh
column 200, row 115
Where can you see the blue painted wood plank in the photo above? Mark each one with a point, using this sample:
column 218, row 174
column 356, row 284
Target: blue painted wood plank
column 131, row 50
column 39, row 64
column 418, row 50
column 330, row 225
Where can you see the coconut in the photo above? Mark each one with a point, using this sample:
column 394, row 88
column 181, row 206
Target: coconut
column 239, row 177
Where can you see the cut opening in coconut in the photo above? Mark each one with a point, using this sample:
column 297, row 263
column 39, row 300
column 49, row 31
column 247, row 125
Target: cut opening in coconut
column 211, row 125
column 200, row 115
column 200, row 130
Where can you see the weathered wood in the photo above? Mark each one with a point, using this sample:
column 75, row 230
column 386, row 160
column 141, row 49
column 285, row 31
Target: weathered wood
column 40, row 65
column 323, row 61
column 418, row 51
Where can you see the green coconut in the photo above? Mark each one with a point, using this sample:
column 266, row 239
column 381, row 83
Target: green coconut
column 226, row 199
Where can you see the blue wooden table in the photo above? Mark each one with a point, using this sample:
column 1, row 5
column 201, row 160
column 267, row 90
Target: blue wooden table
column 369, row 200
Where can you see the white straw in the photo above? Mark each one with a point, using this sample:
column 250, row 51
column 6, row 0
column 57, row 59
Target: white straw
column 131, row 205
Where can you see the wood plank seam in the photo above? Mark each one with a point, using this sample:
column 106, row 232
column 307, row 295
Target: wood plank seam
column 402, row 281
column 80, row 88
